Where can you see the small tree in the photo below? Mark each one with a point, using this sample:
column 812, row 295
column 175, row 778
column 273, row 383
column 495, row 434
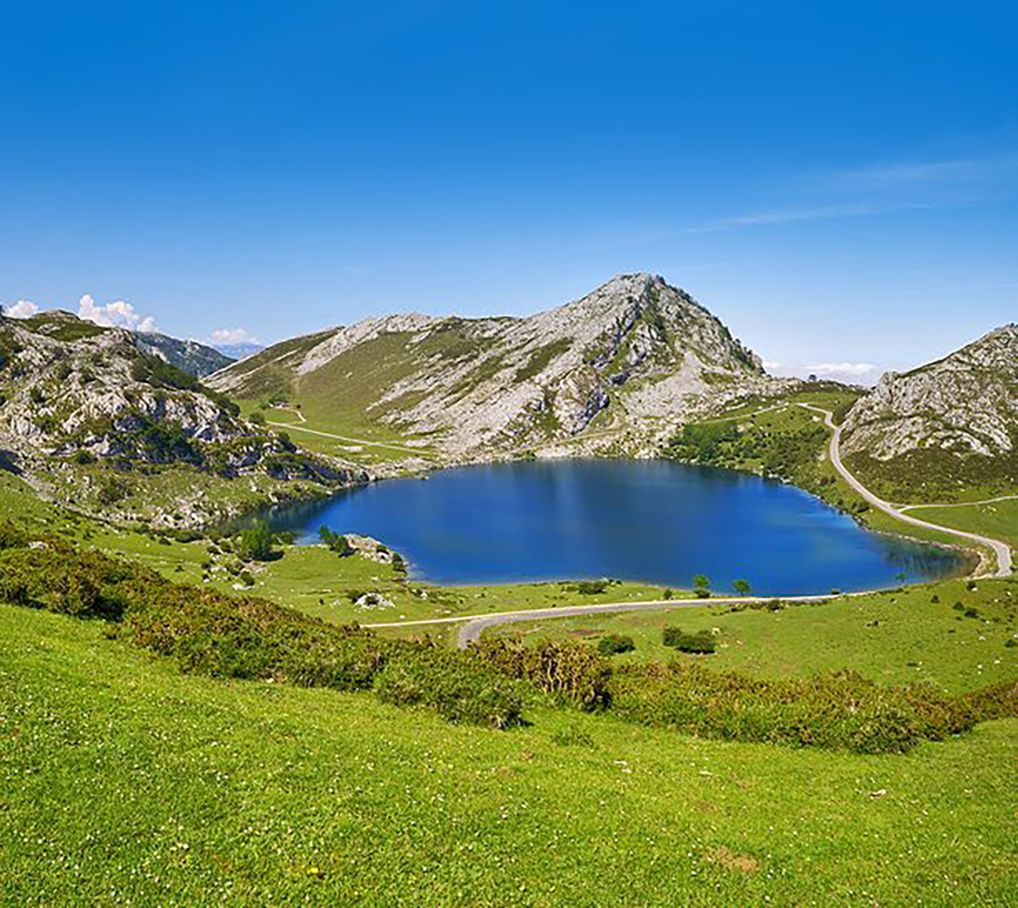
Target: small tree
column 701, row 584
column 337, row 542
column 741, row 587
column 255, row 544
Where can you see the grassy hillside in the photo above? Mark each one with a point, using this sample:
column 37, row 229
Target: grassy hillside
column 128, row 782
column 997, row 518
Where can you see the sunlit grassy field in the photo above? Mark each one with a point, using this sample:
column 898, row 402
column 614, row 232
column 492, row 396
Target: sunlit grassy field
column 126, row 782
column 943, row 633
column 998, row 519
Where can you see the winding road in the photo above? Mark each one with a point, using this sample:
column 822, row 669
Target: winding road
column 1001, row 550
column 475, row 625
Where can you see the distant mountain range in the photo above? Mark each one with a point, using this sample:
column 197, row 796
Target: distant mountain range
column 616, row 372
column 238, row 351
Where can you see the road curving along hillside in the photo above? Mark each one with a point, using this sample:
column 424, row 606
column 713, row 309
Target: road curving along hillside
column 1000, row 549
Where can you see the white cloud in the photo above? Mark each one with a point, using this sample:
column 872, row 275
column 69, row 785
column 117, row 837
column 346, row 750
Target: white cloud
column 233, row 336
column 21, row 309
column 117, row 314
column 854, row 371
column 842, row 369
column 770, row 365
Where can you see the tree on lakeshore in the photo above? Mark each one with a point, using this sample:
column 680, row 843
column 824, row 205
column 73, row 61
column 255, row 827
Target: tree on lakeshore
column 701, row 584
column 255, row 544
column 742, row 587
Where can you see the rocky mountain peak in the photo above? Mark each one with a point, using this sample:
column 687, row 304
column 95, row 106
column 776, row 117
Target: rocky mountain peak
column 634, row 356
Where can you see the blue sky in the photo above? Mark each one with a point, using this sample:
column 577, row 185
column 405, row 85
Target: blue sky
column 839, row 184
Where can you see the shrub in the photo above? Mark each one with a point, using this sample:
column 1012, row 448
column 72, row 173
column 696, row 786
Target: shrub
column 591, row 587
column 255, row 543
column 243, row 637
column 840, row 710
column 458, row 686
column 615, row 643
column 701, row 642
column 336, row 542
column 568, row 670
column 998, row 701
column 11, row 536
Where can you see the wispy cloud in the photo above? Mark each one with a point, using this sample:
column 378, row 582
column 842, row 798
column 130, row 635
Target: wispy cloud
column 882, row 189
column 791, row 215
column 991, row 169
column 833, row 370
column 855, row 373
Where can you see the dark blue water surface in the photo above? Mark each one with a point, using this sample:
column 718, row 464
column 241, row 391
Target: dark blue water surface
column 655, row 521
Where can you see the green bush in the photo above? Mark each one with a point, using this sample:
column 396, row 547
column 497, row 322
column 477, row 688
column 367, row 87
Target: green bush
column 998, row 701
column 611, row 644
column 839, row 710
column 336, row 542
column 459, row 687
column 591, row 587
column 255, row 543
column 568, row 669
column 243, row 637
column 702, row 642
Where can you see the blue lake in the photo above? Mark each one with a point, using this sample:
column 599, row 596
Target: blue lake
column 655, row 521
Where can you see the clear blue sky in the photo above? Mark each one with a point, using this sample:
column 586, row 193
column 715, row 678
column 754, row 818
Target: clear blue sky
column 838, row 182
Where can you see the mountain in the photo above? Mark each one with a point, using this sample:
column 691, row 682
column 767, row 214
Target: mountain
column 187, row 355
column 615, row 370
column 236, row 351
column 93, row 415
column 951, row 421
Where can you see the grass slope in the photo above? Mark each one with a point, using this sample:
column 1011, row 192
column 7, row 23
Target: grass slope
column 126, row 782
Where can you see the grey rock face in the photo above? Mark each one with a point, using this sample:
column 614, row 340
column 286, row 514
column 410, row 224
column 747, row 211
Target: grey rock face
column 634, row 358
column 187, row 355
column 966, row 403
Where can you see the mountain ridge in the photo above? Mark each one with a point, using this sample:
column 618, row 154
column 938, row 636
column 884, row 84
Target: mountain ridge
column 633, row 353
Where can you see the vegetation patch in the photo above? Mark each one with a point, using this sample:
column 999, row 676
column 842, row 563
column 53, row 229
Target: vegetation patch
column 835, row 710
column 214, row 634
column 701, row 642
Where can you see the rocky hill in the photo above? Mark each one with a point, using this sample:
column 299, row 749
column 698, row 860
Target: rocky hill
column 617, row 370
column 187, row 355
column 949, row 422
column 92, row 415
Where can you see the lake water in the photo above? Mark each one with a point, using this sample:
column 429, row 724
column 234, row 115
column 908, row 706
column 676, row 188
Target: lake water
column 655, row 521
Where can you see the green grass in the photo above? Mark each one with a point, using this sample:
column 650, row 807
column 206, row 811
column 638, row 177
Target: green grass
column 895, row 637
column 998, row 520
column 125, row 781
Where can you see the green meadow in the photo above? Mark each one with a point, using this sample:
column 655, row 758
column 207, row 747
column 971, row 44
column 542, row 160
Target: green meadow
column 126, row 782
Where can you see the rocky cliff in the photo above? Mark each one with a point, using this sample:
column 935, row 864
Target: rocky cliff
column 945, row 426
column 966, row 403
